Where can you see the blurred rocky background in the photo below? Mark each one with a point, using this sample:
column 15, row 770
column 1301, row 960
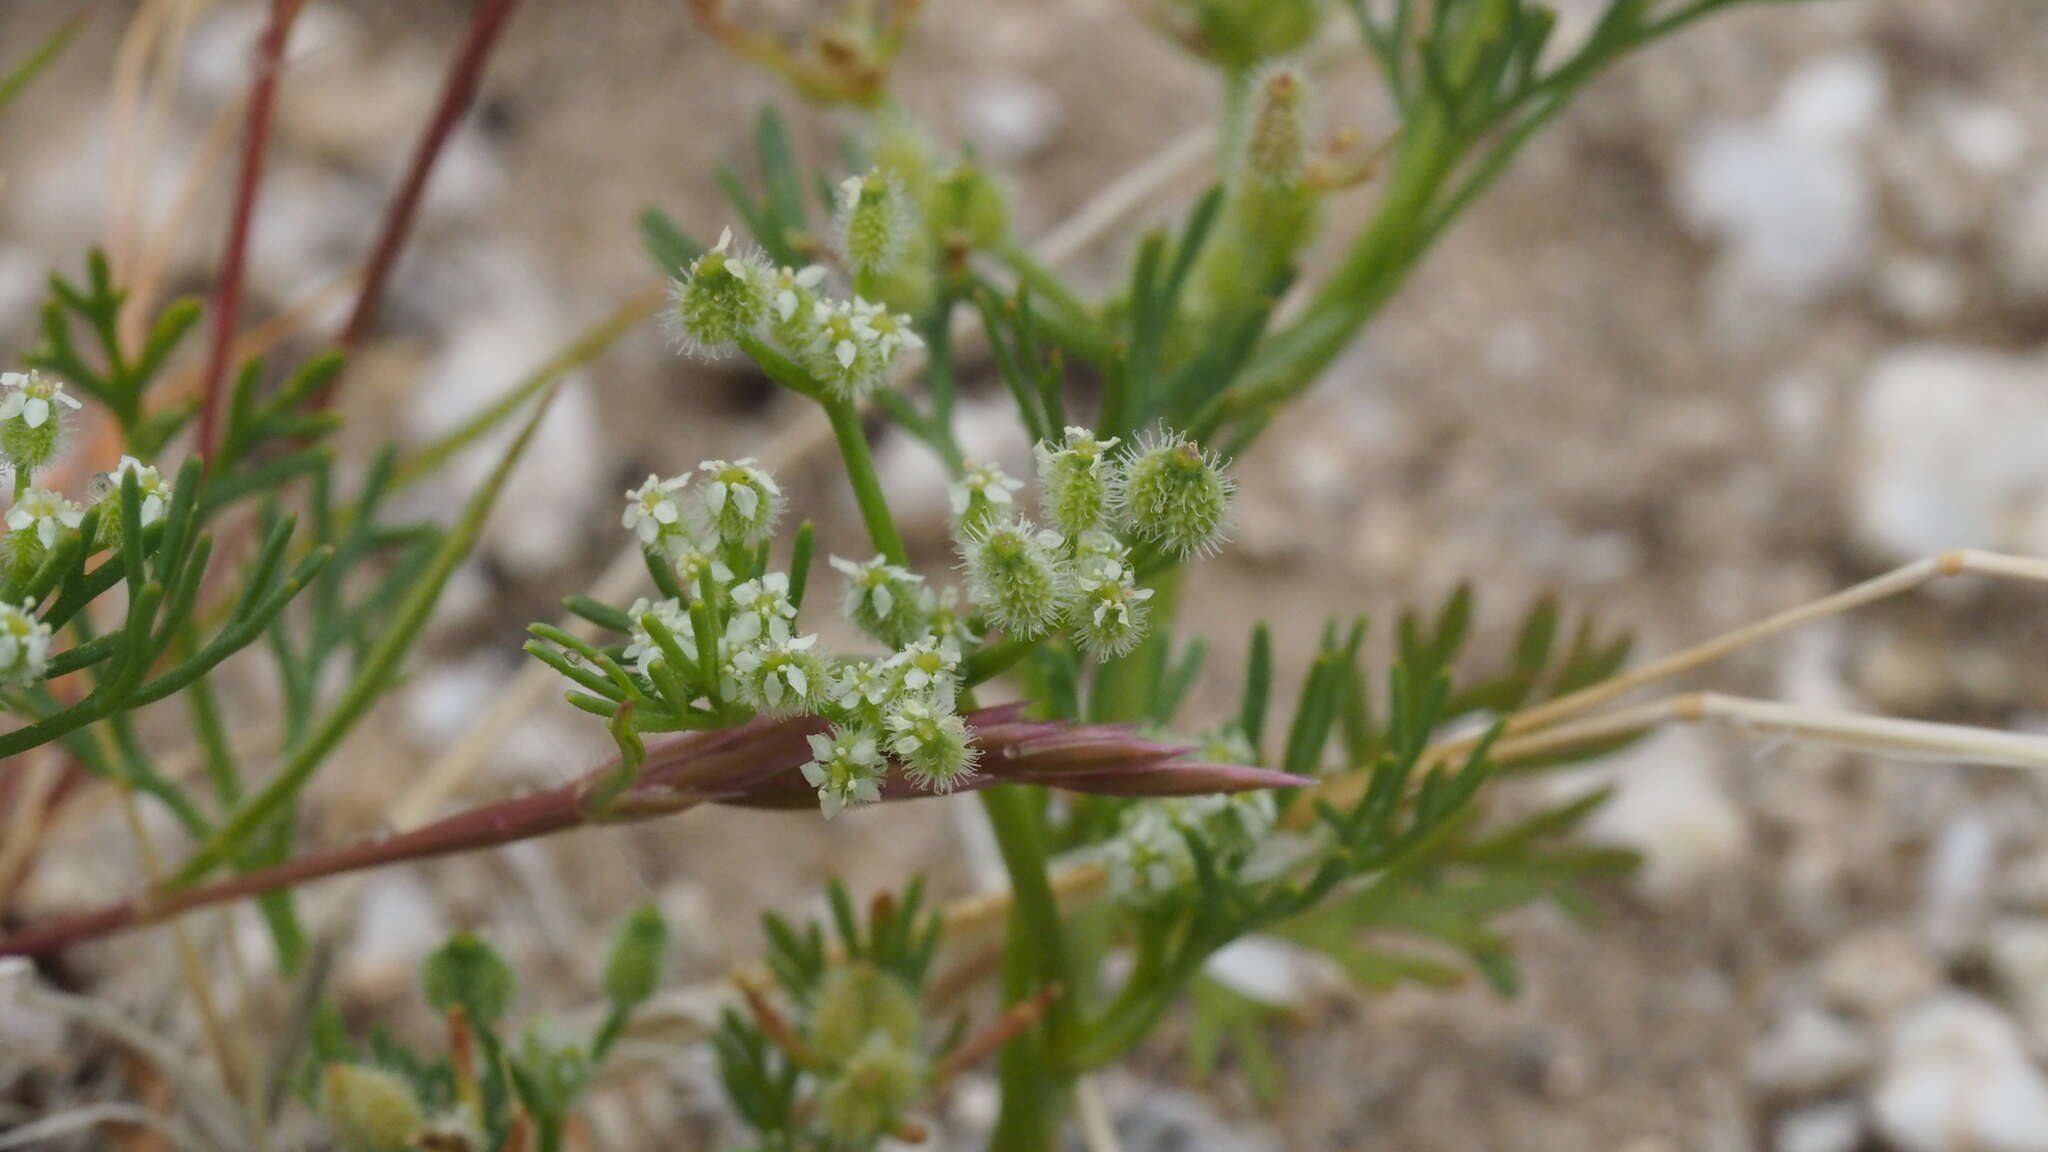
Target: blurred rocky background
column 1765, row 314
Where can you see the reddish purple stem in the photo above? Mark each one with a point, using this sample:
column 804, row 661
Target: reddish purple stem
column 227, row 301
column 756, row 765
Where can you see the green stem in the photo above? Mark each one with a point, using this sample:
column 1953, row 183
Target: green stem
column 867, row 487
column 1034, row 1082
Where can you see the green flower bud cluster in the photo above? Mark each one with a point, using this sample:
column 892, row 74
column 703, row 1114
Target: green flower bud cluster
column 865, row 1028
column 1238, row 34
column 1271, row 208
column 368, row 1109
column 1150, row 859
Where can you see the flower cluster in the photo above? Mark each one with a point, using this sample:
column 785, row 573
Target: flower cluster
column 849, row 346
column 1165, row 492
column 730, row 638
column 33, row 429
column 1151, row 857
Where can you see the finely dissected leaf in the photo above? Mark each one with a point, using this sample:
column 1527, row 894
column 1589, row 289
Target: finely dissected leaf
column 373, row 676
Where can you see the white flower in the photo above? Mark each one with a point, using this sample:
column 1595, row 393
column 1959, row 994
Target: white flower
column 1112, row 610
column 985, row 494
column 864, row 686
column 928, row 669
column 881, row 598
column 846, row 768
column 652, row 510
column 783, row 677
column 945, row 619
column 737, row 502
column 692, row 563
column 1148, row 858
column 47, row 512
column 24, row 644
column 760, row 607
column 149, row 484
column 642, row 650
column 30, row 397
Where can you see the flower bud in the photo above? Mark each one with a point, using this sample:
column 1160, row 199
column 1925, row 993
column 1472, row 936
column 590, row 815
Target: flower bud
column 882, row 599
column 1073, row 480
column 634, row 970
column 875, row 220
column 1111, row 615
column 1278, row 126
column 24, row 644
column 1018, row 577
column 1174, row 494
column 846, row 768
column 735, row 502
column 32, row 411
column 967, row 204
column 1240, row 33
column 368, row 1109
column 981, row 497
column 857, row 1002
column 468, row 973
column 782, row 678
column 722, row 296
column 935, row 747
column 874, row 1087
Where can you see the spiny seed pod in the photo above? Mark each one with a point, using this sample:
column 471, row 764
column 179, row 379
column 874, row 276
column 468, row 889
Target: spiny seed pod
column 983, row 496
column 24, row 644
column 1018, row 577
column 722, row 296
column 368, row 1109
column 468, row 973
column 882, row 599
column 786, row 678
column 105, row 490
column 793, row 307
column 871, row 1090
column 1174, row 494
column 857, row 1001
column 967, row 205
column 634, row 970
column 1279, row 125
column 736, row 502
column 875, row 220
column 1073, row 480
column 935, row 747
column 32, row 411
column 1110, row 617
column 846, row 768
